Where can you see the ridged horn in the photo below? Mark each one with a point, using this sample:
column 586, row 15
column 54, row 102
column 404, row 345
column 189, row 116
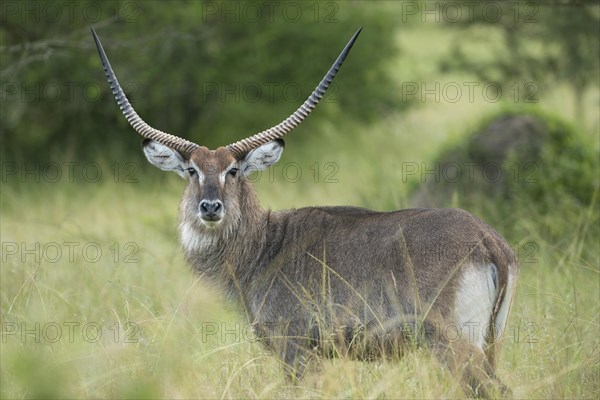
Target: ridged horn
column 183, row 146
column 242, row 147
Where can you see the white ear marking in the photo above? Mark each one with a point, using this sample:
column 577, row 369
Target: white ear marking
column 164, row 157
column 262, row 157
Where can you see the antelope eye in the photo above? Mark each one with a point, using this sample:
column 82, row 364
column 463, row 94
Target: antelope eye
column 233, row 172
column 191, row 171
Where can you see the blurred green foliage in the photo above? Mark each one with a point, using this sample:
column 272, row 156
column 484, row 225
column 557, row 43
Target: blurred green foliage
column 520, row 160
column 213, row 72
column 568, row 164
column 541, row 41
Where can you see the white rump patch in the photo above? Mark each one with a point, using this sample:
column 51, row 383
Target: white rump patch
column 474, row 303
column 503, row 310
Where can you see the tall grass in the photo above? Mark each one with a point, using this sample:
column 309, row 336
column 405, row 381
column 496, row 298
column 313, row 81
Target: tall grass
column 157, row 319
column 135, row 322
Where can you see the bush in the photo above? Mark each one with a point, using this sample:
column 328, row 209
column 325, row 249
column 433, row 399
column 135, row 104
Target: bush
column 517, row 163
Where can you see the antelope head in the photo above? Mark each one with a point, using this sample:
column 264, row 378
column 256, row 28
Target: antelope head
column 217, row 186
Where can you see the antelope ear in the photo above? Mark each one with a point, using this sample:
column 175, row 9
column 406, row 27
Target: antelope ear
column 262, row 157
column 164, row 157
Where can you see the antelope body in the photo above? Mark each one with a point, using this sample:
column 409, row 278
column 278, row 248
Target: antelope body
column 331, row 280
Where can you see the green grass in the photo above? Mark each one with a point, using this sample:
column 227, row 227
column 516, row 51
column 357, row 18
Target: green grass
column 550, row 350
column 154, row 314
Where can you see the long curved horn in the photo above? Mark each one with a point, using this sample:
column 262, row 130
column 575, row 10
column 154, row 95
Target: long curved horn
column 181, row 145
column 242, row 147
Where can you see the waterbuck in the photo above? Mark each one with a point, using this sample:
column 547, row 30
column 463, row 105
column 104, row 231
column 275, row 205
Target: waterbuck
column 332, row 280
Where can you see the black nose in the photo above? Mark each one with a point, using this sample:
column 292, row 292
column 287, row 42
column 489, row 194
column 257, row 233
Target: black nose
column 210, row 210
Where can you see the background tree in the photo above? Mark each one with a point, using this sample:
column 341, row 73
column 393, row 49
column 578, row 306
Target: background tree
column 210, row 71
column 540, row 42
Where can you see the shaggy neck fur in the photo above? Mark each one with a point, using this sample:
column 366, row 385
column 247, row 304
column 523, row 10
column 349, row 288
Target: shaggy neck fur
column 225, row 253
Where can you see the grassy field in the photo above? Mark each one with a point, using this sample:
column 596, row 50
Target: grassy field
column 97, row 301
